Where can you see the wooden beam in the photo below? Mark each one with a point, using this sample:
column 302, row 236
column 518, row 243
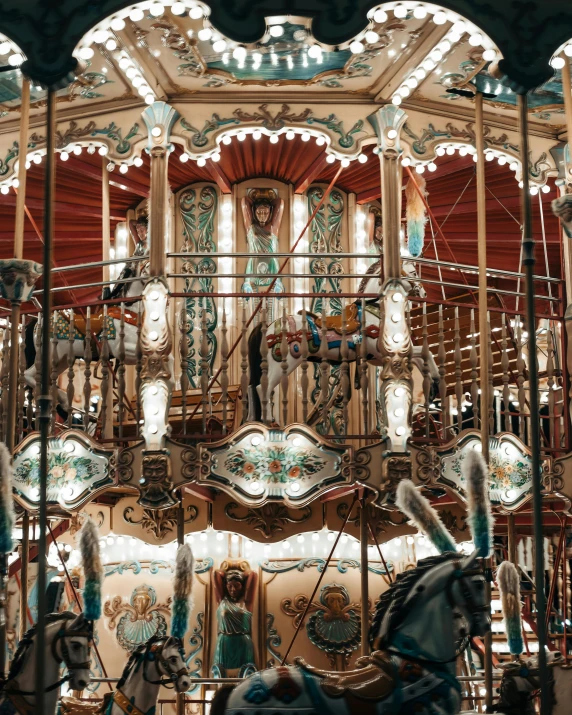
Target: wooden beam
column 219, row 176
column 313, row 171
column 154, row 74
column 62, row 207
column 369, row 195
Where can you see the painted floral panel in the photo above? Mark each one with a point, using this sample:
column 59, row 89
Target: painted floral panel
column 274, row 465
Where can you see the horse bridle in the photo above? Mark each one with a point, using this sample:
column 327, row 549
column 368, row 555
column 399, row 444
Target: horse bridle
column 156, row 648
column 61, row 635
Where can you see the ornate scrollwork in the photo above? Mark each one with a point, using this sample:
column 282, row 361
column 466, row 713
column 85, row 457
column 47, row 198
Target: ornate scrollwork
column 429, row 465
column 140, row 619
column 78, row 520
column 267, row 519
column 453, row 522
column 189, row 460
column 379, row 519
column 124, row 462
column 160, row 522
column 361, row 460
column 552, row 478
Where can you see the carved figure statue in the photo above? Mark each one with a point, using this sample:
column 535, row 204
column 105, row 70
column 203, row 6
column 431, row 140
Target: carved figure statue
column 234, row 586
column 262, row 212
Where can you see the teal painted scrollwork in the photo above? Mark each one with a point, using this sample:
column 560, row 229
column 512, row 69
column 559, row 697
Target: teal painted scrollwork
column 122, row 567
column 199, row 136
column 273, row 641
column 193, row 662
column 114, row 133
column 11, row 154
column 320, row 564
column 336, row 125
column 198, row 219
column 203, row 565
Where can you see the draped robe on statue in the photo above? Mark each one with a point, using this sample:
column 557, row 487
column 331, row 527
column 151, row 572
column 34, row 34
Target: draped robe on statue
column 234, row 647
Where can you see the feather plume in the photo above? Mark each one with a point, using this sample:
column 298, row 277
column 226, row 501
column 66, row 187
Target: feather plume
column 6, row 500
column 182, row 589
column 92, row 569
column 509, row 587
column 426, row 519
column 480, row 516
column 416, row 215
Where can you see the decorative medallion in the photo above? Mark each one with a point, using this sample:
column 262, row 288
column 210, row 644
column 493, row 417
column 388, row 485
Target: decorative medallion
column 140, row 619
column 257, row 464
column 78, row 469
column 510, row 467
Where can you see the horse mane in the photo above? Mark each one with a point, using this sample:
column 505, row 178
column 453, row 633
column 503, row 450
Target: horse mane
column 136, row 655
column 26, row 641
column 391, row 601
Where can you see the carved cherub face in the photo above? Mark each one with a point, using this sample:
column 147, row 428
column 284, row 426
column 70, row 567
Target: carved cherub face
column 377, row 233
column 141, row 603
column 141, row 228
column 234, row 588
column 262, row 213
column 335, row 602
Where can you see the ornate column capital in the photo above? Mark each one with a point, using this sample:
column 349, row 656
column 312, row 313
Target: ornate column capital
column 387, row 123
column 18, row 278
column 159, row 118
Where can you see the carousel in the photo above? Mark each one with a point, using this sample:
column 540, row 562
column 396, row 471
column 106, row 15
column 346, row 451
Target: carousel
column 285, row 369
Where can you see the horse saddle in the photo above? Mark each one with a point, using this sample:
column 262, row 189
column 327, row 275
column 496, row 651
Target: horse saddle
column 72, row 706
column 348, row 321
column 372, row 680
column 96, row 320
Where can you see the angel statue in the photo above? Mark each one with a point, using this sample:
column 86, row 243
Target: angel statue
column 234, row 585
column 262, row 212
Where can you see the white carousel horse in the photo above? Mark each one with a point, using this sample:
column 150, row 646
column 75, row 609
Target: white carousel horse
column 123, row 288
column 421, row 624
column 68, row 641
column 354, row 330
column 160, row 661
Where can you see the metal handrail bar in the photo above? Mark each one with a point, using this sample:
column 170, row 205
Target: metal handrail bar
column 95, row 264
column 94, row 285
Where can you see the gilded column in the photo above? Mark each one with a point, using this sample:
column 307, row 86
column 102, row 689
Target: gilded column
column 157, row 365
column 394, row 344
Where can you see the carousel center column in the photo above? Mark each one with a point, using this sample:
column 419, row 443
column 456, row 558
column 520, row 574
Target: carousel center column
column 395, row 345
column 157, row 374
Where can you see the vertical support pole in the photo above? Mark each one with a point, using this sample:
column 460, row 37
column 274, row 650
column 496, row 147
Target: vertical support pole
column 45, row 397
column 528, row 263
column 363, row 534
column 483, row 344
column 511, row 528
column 24, row 574
column 180, row 542
column 107, row 399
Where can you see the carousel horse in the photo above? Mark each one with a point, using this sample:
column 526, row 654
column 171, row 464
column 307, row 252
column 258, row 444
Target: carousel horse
column 68, row 639
column 159, row 661
column 130, row 284
column 421, row 624
column 354, row 317
column 520, row 681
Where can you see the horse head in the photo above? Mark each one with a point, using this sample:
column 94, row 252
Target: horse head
column 71, row 645
column 171, row 664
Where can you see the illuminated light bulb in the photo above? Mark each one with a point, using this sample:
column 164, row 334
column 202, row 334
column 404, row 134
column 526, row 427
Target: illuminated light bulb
column 77, row 150
column 196, row 12
column 459, row 26
column 362, row 158
column 156, row 9
column 396, row 297
column 568, row 50
column 534, row 190
column 445, row 46
column 489, row 55
column 330, row 158
column 4, row 48
column 436, row 55
column 290, row 135
column 136, row 15
column 257, row 134
column 4, row 189
column 314, row 52
column 420, row 73
column 371, row 37
column 37, row 158
column 399, row 391
column 178, row 8
column 331, row 536
column 404, row 91
column 255, row 487
column 153, row 335
column 131, row 72
column 184, row 157
column 144, row 90
column 205, row 34
column 64, row 156
column 306, row 136
column 476, row 39
column 556, row 62
column 124, row 63
column 420, row 12
column 137, row 81
column 86, row 53
column 219, row 45
column 356, row 47
column 419, row 168
column 241, row 136
column 102, row 151
column 239, row 53
column 276, row 30
column 391, row 53
column 545, row 189
column 117, row 24
column 28, row 164
column 410, row 540
column 450, row 150
column 149, row 99
column 489, row 156
column 123, row 168
column 154, row 295
column 274, row 138
column 215, row 157
column 396, row 99
column 400, row 11
column 156, row 131
column 432, row 166
column 380, row 16
column 398, row 337
column 295, row 487
column 392, row 134
column 201, row 162
column 345, row 163
column 513, row 166
column 463, row 151
column 15, row 183
column 440, row 17
column 412, row 82
column 502, row 160
column 406, row 161
column 399, row 412
column 428, row 65
column 110, row 45
column 100, row 36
